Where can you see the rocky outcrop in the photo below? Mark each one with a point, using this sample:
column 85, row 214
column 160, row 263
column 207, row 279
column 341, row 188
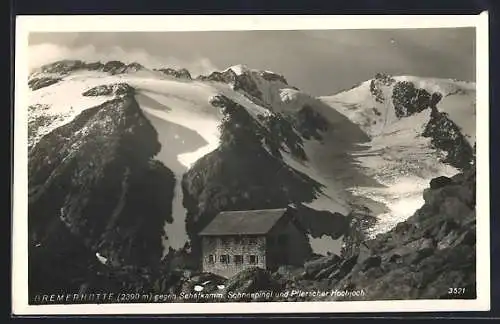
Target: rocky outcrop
column 64, row 67
column 309, row 123
column 42, row 82
column 281, row 134
column 409, row 100
column 253, row 280
column 115, row 89
column 180, row 74
column 94, row 66
column 134, row 67
column 384, row 79
column 446, row 136
column 376, row 84
column 271, row 76
column 321, row 267
column 376, row 92
column 243, row 82
column 421, row 258
column 114, row 67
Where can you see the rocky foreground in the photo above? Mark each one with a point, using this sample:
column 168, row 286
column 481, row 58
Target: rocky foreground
column 429, row 256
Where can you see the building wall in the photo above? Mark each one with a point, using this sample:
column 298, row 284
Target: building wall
column 212, row 245
column 295, row 250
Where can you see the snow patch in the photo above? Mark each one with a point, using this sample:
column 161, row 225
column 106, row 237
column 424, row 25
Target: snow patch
column 63, row 101
column 239, row 69
column 207, row 128
column 325, row 244
column 101, row 259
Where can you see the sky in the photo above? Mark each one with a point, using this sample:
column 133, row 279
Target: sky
column 321, row 62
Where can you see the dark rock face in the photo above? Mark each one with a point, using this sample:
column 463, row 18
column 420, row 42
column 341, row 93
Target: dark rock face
column 384, row 78
column 94, row 66
column 376, row 92
column 371, row 262
column 246, row 83
column 408, row 99
column 38, row 83
column 321, row 267
column 282, row 135
column 381, row 79
column 243, row 82
column 93, row 187
column 310, row 123
column 446, row 136
column 423, row 256
column 238, row 128
column 116, row 89
column 134, row 67
column 63, row 66
column 440, row 182
column 240, row 174
column 114, row 67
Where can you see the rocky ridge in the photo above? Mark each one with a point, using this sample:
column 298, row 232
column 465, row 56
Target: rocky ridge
column 421, row 258
column 95, row 189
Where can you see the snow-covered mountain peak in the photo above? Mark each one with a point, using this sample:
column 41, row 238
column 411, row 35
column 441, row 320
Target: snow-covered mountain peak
column 239, row 69
column 377, row 103
column 419, row 128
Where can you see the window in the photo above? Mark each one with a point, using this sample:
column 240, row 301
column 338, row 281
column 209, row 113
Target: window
column 237, row 240
column 211, row 258
column 252, row 240
column 225, row 240
column 252, row 259
column 224, row 259
column 238, row 259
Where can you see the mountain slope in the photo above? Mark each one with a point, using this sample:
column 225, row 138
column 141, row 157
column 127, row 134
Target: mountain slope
column 419, row 129
column 96, row 175
column 370, row 150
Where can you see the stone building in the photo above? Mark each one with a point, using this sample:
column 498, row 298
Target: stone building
column 236, row 240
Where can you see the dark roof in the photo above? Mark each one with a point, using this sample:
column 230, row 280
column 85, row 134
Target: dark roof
column 244, row 222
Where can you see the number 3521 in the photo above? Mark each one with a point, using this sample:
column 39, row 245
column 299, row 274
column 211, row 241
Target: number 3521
column 456, row 291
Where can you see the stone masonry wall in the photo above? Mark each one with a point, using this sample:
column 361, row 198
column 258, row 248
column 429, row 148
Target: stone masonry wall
column 215, row 246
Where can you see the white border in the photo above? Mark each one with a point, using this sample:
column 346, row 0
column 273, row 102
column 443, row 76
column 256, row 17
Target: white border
column 26, row 24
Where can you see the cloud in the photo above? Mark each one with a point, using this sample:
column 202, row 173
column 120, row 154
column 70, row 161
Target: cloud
column 45, row 53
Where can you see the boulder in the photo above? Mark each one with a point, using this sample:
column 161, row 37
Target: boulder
column 313, row 267
column 345, row 267
column 250, row 280
column 371, row 262
column 440, row 182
